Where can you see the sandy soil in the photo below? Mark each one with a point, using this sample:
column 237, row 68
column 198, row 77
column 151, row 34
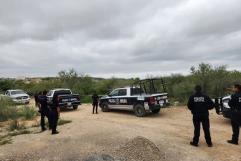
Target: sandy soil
column 171, row 131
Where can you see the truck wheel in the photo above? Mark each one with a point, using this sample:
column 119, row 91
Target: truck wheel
column 156, row 111
column 105, row 107
column 139, row 110
column 75, row 107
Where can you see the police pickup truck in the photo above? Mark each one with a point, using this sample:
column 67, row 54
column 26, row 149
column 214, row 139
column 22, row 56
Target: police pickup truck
column 65, row 98
column 134, row 99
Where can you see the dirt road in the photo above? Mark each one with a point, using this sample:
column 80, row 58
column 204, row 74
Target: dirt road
column 171, row 131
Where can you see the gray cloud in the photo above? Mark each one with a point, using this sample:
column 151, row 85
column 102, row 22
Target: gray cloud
column 121, row 38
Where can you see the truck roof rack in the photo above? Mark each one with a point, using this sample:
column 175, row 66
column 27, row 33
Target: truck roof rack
column 149, row 83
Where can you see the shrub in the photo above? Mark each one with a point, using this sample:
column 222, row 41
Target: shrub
column 7, row 109
column 86, row 99
column 28, row 112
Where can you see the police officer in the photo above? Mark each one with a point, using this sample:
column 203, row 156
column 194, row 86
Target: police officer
column 235, row 104
column 199, row 104
column 44, row 110
column 37, row 103
column 54, row 114
column 95, row 102
column 36, row 95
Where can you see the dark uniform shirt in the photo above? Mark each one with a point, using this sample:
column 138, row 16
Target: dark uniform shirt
column 43, row 100
column 95, row 99
column 55, row 102
column 235, row 102
column 199, row 104
column 36, row 98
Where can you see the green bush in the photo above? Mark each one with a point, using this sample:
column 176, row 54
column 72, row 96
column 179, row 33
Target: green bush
column 7, row 109
column 28, row 112
column 86, row 99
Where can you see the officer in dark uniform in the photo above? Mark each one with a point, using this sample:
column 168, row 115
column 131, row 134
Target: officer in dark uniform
column 235, row 104
column 95, row 102
column 54, row 114
column 36, row 98
column 44, row 110
column 36, row 95
column 199, row 104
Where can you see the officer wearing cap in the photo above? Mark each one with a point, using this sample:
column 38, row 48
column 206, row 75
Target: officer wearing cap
column 235, row 104
column 95, row 102
column 54, row 114
column 44, row 110
column 200, row 104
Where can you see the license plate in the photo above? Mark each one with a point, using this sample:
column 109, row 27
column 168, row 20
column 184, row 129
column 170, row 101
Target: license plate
column 69, row 104
column 161, row 102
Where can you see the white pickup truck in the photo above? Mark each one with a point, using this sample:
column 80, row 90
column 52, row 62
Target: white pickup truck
column 18, row 96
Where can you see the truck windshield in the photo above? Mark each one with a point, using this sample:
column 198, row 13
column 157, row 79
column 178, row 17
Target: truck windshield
column 17, row 92
column 63, row 92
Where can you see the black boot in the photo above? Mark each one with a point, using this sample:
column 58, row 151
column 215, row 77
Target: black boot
column 232, row 142
column 193, row 144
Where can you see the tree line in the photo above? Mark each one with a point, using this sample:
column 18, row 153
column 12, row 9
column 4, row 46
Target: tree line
column 215, row 82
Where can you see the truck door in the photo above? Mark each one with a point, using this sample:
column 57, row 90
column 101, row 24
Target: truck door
column 118, row 99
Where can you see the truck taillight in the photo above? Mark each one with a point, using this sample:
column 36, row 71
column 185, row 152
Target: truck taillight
column 152, row 100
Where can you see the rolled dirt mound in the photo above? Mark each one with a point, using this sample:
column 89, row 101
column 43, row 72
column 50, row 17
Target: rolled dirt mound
column 140, row 149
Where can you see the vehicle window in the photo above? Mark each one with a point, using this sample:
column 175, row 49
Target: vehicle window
column 136, row 91
column 7, row 93
column 17, row 92
column 63, row 92
column 114, row 93
column 50, row 93
column 122, row 92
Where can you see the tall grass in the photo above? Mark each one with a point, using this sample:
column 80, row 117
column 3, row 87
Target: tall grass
column 7, row 109
column 28, row 112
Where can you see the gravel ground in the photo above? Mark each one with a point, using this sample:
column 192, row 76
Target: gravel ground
column 123, row 136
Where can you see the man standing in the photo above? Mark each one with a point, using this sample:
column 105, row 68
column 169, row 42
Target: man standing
column 36, row 95
column 54, row 114
column 235, row 104
column 37, row 103
column 44, row 110
column 95, row 102
column 199, row 104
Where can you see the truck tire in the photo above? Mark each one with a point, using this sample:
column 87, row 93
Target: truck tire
column 75, row 107
column 105, row 107
column 156, row 110
column 139, row 110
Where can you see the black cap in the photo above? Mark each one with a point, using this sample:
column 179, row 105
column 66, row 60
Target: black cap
column 198, row 88
column 45, row 92
column 238, row 86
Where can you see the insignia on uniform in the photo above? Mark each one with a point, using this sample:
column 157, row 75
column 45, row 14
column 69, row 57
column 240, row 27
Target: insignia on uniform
column 199, row 99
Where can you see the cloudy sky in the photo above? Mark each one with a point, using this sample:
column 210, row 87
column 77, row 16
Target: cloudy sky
column 121, row 38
